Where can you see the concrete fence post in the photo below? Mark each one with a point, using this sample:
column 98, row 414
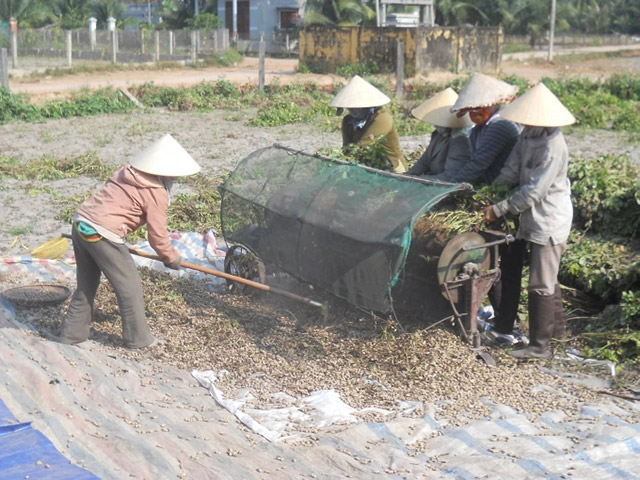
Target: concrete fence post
column 157, row 41
column 4, row 68
column 68, row 40
column 142, row 42
column 171, row 42
column 92, row 33
column 261, row 63
column 194, row 52
column 14, row 48
column 114, row 46
column 400, row 70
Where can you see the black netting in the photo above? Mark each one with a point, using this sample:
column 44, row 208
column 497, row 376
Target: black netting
column 341, row 227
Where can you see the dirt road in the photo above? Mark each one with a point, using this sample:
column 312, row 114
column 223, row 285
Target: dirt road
column 530, row 65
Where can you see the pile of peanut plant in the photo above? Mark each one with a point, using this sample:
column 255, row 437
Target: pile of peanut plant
column 603, row 254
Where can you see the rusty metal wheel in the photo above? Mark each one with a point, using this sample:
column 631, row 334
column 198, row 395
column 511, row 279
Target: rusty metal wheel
column 241, row 262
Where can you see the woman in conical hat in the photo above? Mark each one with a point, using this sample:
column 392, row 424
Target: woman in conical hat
column 368, row 119
column 492, row 137
column 135, row 195
column 449, row 148
column 538, row 167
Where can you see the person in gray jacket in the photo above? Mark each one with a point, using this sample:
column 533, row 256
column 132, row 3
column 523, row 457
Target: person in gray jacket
column 538, row 167
column 449, row 147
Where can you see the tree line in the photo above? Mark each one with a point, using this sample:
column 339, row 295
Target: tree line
column 73, row 14
column 517, row 17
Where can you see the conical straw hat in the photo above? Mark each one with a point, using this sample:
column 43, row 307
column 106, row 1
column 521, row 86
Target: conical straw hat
column 359, row 93
column 437, row 111
column 538, row 107
column 165, row 157
column 484, row 91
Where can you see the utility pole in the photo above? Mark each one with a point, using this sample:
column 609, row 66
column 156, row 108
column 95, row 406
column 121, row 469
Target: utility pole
column 196, row 10
column 552, row 27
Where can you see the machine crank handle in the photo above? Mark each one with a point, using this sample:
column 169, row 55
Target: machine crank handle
column 507, row 239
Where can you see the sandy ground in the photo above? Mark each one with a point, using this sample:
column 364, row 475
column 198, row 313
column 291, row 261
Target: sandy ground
column 531, row 65
column 164, row 410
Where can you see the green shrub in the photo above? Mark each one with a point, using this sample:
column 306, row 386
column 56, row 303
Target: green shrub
column 16, row 107
column 85, row 102
column 601, row 266
column 153, row 95
column 280, row 112
column 606, row 195
column 615, row 333
column 628, row 117
column 348, row 70
column 595, row 104
column 625, row 86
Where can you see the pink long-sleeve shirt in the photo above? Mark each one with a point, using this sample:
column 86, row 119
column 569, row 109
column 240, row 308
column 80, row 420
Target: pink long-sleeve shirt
column 128, row 200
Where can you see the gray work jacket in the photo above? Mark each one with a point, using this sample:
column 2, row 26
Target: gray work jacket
column 538, row 165
column 445, row 155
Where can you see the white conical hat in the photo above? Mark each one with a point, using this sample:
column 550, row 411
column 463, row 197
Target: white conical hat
column 165, row 157
column 538, row 107
column 437, row 111
column 359, row 93
column 484, row 91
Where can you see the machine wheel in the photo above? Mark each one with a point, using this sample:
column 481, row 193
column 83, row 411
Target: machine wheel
column 242, row 262
column 453, row 258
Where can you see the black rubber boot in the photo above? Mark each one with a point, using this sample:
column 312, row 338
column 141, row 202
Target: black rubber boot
column 508, row 298
column 541, row 324
column 560, row 324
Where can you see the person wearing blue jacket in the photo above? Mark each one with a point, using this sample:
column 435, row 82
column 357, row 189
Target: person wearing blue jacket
column 492, row 139
column 493, row 136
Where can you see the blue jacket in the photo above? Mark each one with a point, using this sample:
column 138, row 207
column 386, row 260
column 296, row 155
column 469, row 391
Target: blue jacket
column 491, row 144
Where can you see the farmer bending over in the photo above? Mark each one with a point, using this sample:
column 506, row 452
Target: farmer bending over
column 135, row 195
column 538, row 167
column 368, row 119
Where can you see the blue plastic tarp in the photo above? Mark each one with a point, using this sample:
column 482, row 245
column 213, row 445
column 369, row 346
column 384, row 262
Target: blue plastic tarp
column 27, row 453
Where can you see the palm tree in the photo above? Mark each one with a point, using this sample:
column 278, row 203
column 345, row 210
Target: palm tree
column 13, row 9
column 338, row 12
column 178, row 14
column 626, row 16
column 71, row 13
column 103, row 9
column 533, row 20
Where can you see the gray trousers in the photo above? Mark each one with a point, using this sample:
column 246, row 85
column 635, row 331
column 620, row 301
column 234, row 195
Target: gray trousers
column 115, row 261
column 544, row 264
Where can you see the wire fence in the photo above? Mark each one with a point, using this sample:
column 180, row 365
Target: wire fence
column 117, row 46
column 573, row 40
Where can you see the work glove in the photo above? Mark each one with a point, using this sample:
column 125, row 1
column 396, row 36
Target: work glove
column 175, row 265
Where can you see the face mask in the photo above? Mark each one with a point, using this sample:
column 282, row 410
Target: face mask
column 479, row 116
column 358, row 113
